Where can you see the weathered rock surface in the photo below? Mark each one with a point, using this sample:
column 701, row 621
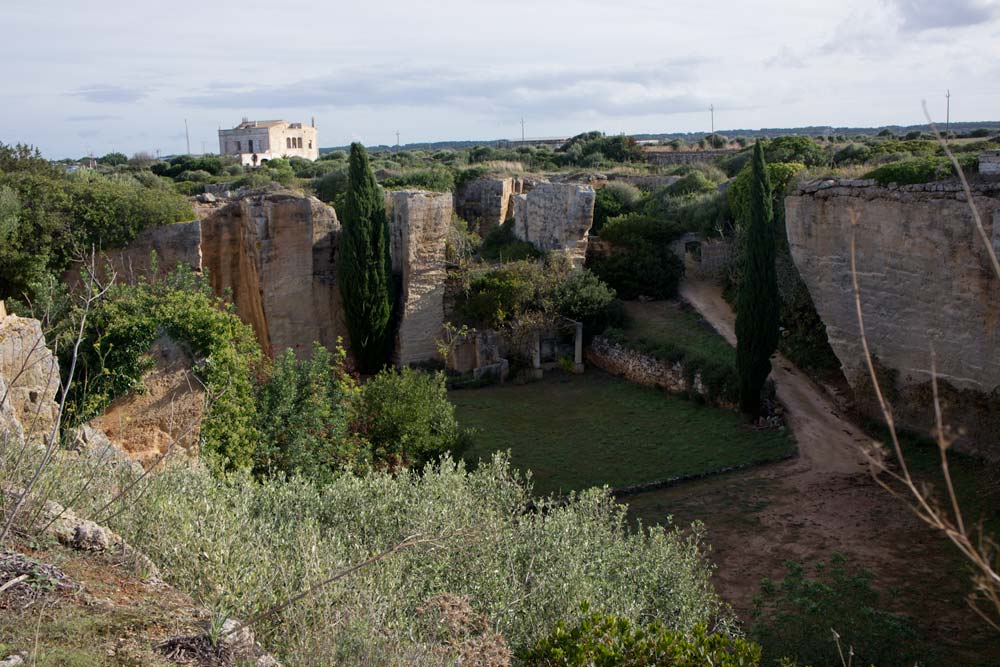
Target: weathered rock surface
column 924, row 274
column 276, row 253
column 556, row 216
column 29, row 380
column 418, row 230
column 166, row 414
column 485, row 202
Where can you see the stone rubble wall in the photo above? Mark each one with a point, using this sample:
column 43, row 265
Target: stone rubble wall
column 989, row 163
column 418, row 232
column 29, row 380
column 924, row 274
column 641, row 368
column 556, row 217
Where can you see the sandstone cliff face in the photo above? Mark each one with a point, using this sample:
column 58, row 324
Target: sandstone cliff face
column 418, row 230
column 556, row 216
column 485, row 202
column 169, row 409
column 29, row 380
column 924, row 275
column 276, row 252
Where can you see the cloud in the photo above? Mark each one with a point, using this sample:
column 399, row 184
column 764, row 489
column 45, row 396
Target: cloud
column 110, row 94
column 650, row 88
column 91, row 118
column 920, row 15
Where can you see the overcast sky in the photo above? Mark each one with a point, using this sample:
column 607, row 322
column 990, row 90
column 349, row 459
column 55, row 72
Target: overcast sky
column 101, row 75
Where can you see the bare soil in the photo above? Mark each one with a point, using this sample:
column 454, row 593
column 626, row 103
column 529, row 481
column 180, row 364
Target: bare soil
column 822, row 502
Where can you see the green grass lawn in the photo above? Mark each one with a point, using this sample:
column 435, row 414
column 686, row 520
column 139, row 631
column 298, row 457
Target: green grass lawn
column 577, row 431
column 659, row 323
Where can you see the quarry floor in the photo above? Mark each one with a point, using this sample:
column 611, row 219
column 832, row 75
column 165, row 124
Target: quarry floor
column 820, row 503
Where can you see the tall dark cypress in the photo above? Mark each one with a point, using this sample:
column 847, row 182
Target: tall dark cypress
column 757, row 303
column 364, row 265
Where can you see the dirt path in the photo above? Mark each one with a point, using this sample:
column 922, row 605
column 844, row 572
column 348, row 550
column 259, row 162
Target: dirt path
column 820, row 503
column 826, row 440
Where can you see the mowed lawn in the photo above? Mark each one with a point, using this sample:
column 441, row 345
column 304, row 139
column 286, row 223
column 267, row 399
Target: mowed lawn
column 577, row 431
column 671, row 323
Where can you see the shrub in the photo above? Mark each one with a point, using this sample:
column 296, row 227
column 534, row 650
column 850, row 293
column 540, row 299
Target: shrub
column 331, row 184
column 304, row 417
column 113, row 159
column 123, row 326
column 601, row 640
column 693, row 183
column 585, row 298
column 921, row 170
column 407, row 419
column 795, row 149
column 794, row 617
column 852, row 154
column 642, row 262
column 437, row 179
column 500, row 245
column 614, row 199
column 495, row 297
column 780, row 175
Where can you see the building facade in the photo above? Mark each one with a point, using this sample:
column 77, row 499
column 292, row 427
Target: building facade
column 257, row 141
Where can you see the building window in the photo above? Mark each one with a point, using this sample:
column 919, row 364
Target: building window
column 238, row 147
column 250, row 145
column 310, row 144
column 288, row 142
column 300, row 142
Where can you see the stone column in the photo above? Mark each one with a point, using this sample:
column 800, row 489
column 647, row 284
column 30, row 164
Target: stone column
column 536, row 357
column 578, row 349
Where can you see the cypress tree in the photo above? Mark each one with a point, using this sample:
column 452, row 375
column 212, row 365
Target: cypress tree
column 364, row 265
column 757, row 302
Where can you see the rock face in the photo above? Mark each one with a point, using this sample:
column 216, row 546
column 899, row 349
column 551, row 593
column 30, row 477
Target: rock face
column 485, row 202
column 179, row 243
column 276, row 253
column 925, row 281
column 168, row 410
column 556, row 216
column 29, row 380
column 418, row 230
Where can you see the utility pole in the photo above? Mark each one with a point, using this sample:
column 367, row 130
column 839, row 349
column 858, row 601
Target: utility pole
column 947, row 122
column 522, row 129
column 187, row 136
column 711, row 110
column 203, row 148
column 397, row 139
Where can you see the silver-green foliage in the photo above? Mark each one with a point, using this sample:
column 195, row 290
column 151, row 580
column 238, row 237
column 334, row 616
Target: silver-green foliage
column 240, row 545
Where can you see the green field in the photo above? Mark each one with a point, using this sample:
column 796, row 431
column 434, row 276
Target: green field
column 668, row 323
column 577, row 431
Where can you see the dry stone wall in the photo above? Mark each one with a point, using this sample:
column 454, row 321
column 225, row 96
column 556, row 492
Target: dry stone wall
column 925, row 281
column 556, row 217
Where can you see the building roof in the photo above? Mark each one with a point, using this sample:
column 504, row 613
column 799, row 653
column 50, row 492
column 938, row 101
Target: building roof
column 247, row 124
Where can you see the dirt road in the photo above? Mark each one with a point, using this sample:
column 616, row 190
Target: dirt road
column 821, row 503
column 827, row 442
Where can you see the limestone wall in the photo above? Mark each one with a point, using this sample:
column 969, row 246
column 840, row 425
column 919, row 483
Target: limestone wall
column 418, row 230
column 924, row 275
column 29, row 380
column 556, row 216
column 485, row 202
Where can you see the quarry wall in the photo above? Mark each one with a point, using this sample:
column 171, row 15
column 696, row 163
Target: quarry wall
column 925, row 281
column 556, row 216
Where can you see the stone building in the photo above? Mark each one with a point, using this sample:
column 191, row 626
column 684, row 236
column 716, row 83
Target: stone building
column 257, row 141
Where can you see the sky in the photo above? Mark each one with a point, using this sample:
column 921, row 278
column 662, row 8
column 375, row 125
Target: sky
column 95, row 76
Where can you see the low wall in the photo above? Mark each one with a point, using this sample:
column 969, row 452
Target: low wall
column 644, row 369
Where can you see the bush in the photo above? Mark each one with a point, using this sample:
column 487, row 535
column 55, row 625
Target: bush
column 795, row 616
column 585, row 298
column 641, row 262
column 496, row 297
column 500, row 245
column 693, row 183
column 852, row 154
column 600, row 640
column 921, row 170
column 614, row 199
column 795, row 149
column 304, row 417
column 332, row 184
column 407, row 419
column 121, row 329
column 436, row 179
column 781, row 176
